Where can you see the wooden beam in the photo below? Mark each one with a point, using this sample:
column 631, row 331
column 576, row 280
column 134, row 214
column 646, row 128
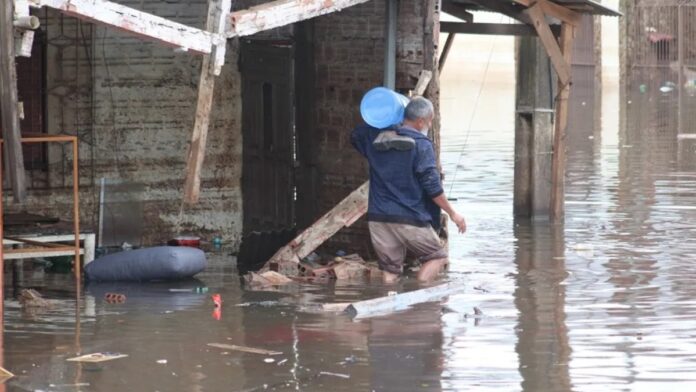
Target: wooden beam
column 538, row 18
column 14, row 159
column 218, row 26
column 487, row 28
column 343, row 215
column 457, row 10
column 137, row 22
column 560, row 12
column 281, row 13
column 559, row 137
column 424, row 79
column 206, row 85
column 445, row 50
column 402, row 301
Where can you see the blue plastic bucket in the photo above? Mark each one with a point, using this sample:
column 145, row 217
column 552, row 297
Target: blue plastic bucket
column 382, row 107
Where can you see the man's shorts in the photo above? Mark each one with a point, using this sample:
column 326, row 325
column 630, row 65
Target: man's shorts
column 392, row 241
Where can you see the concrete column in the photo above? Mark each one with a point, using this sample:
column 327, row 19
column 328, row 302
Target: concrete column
column 536, row 88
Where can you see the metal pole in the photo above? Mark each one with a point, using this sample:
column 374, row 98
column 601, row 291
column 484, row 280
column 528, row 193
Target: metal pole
column 100, row 231
column 390, row 44
column 76, row 213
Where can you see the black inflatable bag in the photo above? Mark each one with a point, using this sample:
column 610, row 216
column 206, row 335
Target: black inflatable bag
column 148, row 264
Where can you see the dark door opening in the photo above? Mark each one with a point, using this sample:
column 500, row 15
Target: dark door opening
column 268, row 130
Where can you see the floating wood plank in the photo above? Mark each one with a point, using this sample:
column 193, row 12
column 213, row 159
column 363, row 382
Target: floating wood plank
column 137, row 22
column 402, row 301
column 5, row 375
column 562, row 68
column 343, row 215
column 206, row 85
column 97, row 357
column 559, row 137
column 281, row 13
column 14, row 159
column 250, row 350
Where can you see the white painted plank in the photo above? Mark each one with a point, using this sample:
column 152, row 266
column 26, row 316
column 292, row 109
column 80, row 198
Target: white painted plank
column 280, row 13
column 136, row 22
column 402, row 301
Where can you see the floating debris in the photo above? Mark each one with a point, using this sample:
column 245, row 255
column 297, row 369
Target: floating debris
column 245, row 349
column 97, row 357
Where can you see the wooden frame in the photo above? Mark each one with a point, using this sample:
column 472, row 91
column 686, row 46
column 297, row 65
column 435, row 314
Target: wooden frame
column 47, row 248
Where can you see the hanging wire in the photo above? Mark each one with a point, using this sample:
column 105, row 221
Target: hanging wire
column 473, row 112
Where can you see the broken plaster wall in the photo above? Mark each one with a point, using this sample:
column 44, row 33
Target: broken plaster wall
column 349, row 56
column 132, row 102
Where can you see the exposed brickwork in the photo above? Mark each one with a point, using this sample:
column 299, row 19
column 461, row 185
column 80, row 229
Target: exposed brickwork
column 133, row 103
column 349, row 61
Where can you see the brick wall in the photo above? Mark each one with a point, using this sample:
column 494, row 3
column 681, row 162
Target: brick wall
column 349, row 55
column 132, row 102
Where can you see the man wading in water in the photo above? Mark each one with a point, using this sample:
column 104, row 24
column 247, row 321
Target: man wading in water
column 406, row 194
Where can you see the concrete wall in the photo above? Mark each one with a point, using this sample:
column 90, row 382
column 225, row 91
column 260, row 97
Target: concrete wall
column 132, row 103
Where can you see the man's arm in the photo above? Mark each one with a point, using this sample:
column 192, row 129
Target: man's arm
column 458, row 220
column 429, row 177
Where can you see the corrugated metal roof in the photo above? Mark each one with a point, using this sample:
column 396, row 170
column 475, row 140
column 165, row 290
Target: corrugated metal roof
column 582, row 6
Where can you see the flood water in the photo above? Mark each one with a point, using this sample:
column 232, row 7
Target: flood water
column 602, row 303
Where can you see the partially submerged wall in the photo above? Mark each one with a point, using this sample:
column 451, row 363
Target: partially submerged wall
column 132, row 102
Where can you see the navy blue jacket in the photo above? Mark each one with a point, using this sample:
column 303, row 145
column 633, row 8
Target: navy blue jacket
column 402, row 183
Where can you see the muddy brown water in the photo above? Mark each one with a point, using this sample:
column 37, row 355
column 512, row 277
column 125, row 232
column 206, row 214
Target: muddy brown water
column 605, row 303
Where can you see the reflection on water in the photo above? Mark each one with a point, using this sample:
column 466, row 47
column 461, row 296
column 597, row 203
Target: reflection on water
column 604, row 303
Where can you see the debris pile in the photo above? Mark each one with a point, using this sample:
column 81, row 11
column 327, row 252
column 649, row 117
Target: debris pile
column 313, row 269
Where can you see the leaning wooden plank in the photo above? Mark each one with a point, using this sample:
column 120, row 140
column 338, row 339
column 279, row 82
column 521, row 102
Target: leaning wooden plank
column 344, row 214
column 562, row 68
column 14, row 159
column 423, row 82
column 397, row 302
column 250, row 350
column 135, row 21
column 280, row 13
column 206, row 86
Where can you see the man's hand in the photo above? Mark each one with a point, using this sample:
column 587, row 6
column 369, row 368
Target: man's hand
column 460, row 222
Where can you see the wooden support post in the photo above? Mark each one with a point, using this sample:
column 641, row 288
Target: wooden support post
column 559, row 146
column 14, row 159
column 217, row 10
column 281, row 13
column 539, row 22
column 533, row 131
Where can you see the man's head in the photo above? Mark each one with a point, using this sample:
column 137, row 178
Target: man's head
column 419, row 114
